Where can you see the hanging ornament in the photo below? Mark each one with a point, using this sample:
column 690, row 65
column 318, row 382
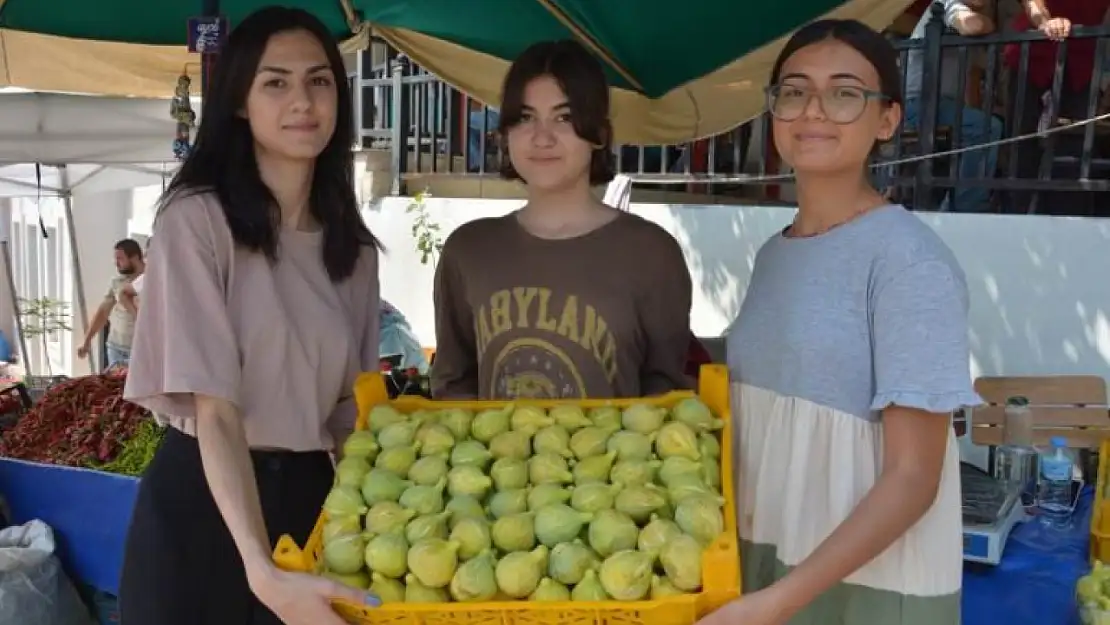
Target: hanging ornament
column 181, row 110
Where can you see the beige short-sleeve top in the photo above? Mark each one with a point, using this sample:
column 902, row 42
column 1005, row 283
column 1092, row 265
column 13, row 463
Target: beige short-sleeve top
column 279, row 340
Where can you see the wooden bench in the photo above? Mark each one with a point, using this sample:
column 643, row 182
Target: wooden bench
column 1071, row 406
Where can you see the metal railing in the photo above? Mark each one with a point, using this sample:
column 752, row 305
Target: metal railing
column 429, row 127
column 1026, row 170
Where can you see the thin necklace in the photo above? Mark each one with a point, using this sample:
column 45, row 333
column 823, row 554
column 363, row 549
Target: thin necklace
column 827, row 229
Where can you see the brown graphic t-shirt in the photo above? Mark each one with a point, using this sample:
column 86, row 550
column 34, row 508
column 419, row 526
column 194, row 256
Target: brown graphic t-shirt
column 606, row 314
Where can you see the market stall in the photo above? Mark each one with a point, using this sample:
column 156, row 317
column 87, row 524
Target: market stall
column 75, row 456
column 1035, row 582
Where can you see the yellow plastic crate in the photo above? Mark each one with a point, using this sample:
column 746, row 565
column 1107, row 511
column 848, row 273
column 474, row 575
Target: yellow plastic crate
column 720, row 563
column 1100, row 513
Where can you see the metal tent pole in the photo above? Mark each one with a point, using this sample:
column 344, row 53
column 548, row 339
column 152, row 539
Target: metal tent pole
column 75, row 255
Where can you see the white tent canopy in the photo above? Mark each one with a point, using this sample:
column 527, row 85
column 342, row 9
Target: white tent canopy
column 54, row 144
column 25, row 180
column 104, row 143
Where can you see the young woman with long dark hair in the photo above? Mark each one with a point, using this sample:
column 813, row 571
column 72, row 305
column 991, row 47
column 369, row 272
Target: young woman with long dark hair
column 566, row 297
column 259, row 309
column 848, row 358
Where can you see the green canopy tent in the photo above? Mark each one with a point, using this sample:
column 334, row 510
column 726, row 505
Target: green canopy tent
column 679, row 70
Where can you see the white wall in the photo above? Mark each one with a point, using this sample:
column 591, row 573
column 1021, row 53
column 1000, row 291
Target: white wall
column 1040, row 296
column 40, row 268
column 144, row 200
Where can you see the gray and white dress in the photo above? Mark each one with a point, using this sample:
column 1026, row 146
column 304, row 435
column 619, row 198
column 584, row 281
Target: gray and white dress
column 834, row 329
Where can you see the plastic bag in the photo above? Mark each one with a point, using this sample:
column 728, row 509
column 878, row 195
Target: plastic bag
column 34, row 590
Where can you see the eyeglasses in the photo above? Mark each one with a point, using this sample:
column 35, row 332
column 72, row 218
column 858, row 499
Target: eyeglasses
column 841, row 105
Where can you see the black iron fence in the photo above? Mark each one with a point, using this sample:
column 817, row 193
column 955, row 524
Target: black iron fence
column 981, row 134
column 1024, row 104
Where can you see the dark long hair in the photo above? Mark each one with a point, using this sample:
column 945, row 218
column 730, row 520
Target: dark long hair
column 223, row 161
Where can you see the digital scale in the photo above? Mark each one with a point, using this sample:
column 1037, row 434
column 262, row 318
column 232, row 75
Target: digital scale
column 985, row 542
column 989, row 515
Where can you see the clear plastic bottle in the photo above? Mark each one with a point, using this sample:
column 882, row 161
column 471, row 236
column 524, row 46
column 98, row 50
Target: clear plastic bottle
column 1016, row 464
column 1017, row 424
column 1054, row 500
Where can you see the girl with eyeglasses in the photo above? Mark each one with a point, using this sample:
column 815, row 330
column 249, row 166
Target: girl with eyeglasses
column 848, row 358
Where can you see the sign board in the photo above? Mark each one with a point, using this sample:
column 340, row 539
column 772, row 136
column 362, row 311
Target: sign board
column 207, row 34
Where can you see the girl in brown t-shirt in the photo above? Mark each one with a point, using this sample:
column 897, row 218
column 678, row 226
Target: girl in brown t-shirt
column 566, row 297
column 259, row 309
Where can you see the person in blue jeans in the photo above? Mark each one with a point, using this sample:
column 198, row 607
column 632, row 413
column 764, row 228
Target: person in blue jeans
column 112, row 312
column 976, row 126
column 477, row 124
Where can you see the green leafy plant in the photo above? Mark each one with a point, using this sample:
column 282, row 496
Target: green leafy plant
column 43, row 318
column 429, row 241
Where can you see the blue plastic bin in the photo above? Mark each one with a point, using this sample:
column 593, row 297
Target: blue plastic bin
column 88, row 510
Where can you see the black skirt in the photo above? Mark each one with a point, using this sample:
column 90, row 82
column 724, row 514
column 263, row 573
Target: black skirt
column 181, row 566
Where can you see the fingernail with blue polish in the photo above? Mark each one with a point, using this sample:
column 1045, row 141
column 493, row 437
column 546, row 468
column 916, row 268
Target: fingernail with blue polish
column 373, row 601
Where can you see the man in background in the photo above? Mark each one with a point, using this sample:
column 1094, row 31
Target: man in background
column 120, row 319
column 977, row 126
